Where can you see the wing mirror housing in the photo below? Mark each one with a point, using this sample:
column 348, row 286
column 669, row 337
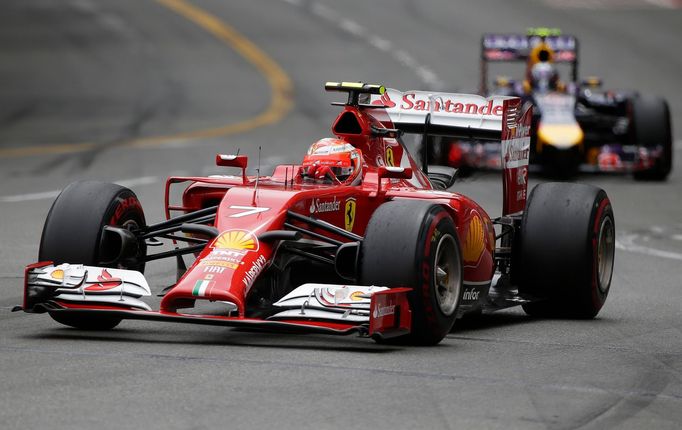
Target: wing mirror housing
column 239, row 161
column 393, row 173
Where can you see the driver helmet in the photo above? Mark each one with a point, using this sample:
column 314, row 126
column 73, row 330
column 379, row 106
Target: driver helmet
column 544, row 77
column 335, row 160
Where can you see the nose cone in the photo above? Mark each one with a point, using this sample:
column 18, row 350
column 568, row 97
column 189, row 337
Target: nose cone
column 562, row 136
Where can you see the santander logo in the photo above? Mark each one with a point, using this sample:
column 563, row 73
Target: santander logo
column 410, row 101
column 385, row 100
column 106, row 282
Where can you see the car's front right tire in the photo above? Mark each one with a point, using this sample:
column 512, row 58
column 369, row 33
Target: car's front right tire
column 74, row 233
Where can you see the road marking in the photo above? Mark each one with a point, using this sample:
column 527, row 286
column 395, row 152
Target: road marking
column 281, row 88
column 425, row 74
column 627, row 243
column 614, row 4
column 145, row 180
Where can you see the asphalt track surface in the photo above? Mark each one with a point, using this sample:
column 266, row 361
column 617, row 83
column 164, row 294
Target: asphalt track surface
column 132, row 91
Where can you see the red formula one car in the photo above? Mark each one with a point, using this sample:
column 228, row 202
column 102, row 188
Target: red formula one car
column 358, row 239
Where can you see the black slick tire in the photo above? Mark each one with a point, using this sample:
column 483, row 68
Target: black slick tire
column 567, row 250
column 73, row 233
column 651, row 129
column 410, row 243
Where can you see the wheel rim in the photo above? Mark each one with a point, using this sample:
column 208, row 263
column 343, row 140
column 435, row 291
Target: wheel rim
column 447, row 274
column 606, row 249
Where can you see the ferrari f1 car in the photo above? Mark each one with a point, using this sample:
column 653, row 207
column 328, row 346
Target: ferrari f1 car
column 358, row 239
column 576, row 125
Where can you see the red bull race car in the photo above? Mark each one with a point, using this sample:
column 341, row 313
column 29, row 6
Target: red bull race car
column 358, row 238
column 577, row 126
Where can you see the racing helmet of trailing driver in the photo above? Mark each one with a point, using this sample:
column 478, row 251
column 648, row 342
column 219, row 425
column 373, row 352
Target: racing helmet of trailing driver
column 334, row 160
column 544, row 77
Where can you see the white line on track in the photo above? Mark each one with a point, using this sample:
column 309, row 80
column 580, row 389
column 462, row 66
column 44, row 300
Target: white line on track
column 353, row 28
column 144, row 180
column 627, row 243
column 613, row 4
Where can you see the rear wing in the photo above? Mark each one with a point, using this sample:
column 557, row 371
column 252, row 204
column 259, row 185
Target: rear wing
column 468, row 116
column 517, row 47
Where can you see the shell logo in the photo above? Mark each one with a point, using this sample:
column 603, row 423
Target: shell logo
column 57, row 274
column 475, row 240
column 241, row 240
column 357, row 296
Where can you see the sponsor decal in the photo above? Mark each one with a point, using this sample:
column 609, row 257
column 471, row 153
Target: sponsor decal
column 247, row 210
column 349, row 213
column 389, row 157
column 239, row 240
column 357, row 296
column 410, row 101
column 522, row 176
column 521, row 130
column 226, row 255
column 215, row 269
column 323, row 205
column 474, row 243
column 382, row 311
column 201, row 286
column 254, row 271
column 122, row 207
column 57, row 274
column 516, row 151
column 384, row 100
column 436, row 235
column 106, row 282
column 219, row 264
column 471, row 294
column 222, row 258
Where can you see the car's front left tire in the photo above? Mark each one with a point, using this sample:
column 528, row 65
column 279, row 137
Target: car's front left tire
column 411, row 243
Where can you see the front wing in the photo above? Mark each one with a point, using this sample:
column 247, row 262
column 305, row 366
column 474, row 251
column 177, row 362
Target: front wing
column 386, row 315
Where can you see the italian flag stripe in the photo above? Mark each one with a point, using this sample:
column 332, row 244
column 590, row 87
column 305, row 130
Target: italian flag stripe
column 200, row 287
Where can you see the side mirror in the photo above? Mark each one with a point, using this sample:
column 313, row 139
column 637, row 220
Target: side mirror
column 592, row 82
column 226, row 160
column 240, row 161
column 393, row 173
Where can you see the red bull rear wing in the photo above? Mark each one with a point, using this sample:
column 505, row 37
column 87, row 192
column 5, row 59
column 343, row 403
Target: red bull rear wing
column 499, row 48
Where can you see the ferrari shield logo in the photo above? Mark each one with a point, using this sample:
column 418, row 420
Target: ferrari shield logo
column 349, row 214
column 389, row 157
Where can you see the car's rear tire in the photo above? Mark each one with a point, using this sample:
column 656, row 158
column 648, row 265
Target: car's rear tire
column 73, row 233
column 650, row 128
column 410, row 243
column 567, row 250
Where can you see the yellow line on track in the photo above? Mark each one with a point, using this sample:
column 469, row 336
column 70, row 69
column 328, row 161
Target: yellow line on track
column 278, row 80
